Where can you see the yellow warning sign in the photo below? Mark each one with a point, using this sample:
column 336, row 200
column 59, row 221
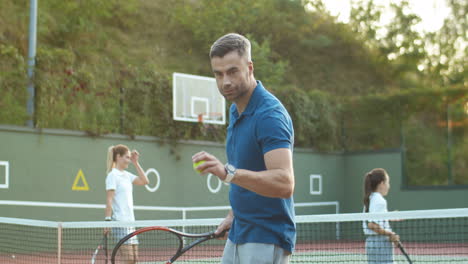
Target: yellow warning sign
column 84, row 184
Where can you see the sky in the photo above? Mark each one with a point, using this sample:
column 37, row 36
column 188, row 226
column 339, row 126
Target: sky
column 432, row 12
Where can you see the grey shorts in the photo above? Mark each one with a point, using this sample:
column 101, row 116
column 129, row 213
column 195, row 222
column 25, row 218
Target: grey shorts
column 120, row 232
column 254, row 253
column 379, row 250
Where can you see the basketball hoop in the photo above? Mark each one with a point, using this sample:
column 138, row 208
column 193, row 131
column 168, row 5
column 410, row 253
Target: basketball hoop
column 193, row 95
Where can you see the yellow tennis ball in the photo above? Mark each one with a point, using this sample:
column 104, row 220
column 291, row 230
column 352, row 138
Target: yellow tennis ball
column 196, row 164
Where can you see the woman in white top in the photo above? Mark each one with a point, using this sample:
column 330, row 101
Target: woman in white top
column 379, row 234
column 119, row 198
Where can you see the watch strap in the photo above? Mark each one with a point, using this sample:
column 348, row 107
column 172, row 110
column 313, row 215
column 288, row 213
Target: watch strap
column 228, row 177
column 229, row 173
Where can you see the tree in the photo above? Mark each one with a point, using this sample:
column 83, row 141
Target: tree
column 446, row 63
column 397, row 43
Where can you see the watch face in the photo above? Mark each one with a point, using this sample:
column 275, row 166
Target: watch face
column 230, row 168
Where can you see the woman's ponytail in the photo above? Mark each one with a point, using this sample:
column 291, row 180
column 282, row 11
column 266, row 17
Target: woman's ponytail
column 110, row 158
column 367, row 191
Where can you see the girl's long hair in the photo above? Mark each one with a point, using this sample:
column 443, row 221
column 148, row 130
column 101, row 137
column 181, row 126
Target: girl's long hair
column 371, row 180
column 112, row 153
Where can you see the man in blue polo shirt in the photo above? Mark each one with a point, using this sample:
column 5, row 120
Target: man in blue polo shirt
column 259, row 146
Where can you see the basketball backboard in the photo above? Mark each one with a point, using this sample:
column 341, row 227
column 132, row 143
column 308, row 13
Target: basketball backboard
column 197, row 99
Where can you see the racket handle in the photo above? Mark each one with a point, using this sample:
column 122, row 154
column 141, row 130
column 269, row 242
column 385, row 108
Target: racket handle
column 221, row 234
column 402, row 249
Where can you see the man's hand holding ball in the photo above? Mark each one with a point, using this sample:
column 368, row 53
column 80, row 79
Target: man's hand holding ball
column 196, row 164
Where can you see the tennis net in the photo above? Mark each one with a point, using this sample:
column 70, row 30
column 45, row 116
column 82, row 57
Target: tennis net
column 428, row 236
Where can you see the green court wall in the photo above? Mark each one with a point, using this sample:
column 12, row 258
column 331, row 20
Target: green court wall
column 400, row 196
column 44, row 165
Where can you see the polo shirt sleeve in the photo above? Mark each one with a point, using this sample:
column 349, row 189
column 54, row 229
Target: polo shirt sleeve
column 131, row 176
column 274, row 131
column 111, row 182
column 378, row 205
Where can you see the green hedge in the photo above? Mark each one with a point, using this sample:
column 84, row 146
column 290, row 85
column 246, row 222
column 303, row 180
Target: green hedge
column 13, row 83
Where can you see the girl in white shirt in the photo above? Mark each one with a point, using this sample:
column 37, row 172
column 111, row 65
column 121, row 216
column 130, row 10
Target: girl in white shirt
column 119, row 198
column 379, row 234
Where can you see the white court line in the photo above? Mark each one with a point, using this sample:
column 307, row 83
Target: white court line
column 147, row 208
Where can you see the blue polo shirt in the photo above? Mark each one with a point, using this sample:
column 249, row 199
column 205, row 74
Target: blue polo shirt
column 265, row 125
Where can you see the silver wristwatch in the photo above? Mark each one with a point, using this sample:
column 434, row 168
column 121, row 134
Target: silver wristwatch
column 230, row 172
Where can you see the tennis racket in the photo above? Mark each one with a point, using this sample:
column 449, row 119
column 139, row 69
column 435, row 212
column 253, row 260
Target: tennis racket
column 402, row 249
column 101, row 246
column 158, row 244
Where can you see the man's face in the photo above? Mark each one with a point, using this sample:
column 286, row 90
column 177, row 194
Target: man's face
column 232, row 74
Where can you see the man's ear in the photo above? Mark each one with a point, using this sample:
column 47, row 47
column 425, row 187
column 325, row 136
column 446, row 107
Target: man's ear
column 251, row 67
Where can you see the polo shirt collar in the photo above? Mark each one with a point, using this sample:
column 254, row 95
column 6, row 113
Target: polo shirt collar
column 117, row 171
column 254, row 99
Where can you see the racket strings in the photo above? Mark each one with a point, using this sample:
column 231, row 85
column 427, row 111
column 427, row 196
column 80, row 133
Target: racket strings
column 153, row 246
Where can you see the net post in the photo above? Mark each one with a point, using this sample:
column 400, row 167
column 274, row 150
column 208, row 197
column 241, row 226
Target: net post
column 59, row 243
column 184, row 217
column 338, row 235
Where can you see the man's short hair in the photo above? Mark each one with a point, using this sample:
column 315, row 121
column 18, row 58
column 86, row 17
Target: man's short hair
column 231, row 42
